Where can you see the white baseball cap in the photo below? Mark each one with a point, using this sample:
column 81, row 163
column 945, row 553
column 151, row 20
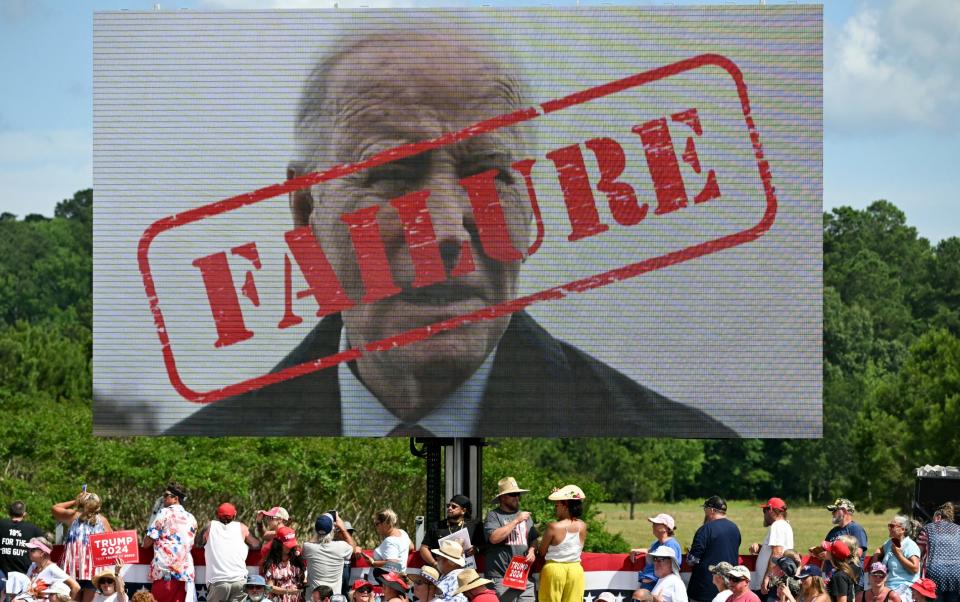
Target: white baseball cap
column 664, row 519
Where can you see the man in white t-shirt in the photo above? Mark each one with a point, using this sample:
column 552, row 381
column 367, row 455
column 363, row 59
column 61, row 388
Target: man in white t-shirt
column 226, row 542
column 779, row 538
column 325, row 555
column 666, row 566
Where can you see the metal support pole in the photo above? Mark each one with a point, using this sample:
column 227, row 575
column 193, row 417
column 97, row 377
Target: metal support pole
column 454, row 466
column 464, row 469
column 434, row 484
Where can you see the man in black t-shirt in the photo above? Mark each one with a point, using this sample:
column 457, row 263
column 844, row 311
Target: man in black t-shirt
column 459, row 516
column 15, row 532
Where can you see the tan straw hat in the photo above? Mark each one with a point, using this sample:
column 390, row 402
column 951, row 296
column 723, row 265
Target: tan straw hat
column 452, row 551
column 469, row 579
column 508, row 485
column 104, row 574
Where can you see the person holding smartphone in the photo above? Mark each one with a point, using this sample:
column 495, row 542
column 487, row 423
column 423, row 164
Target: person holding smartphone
column 901, row 556
column 82, row 517
column 325, row 555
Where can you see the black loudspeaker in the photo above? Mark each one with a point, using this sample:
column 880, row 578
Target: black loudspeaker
column 934, row 486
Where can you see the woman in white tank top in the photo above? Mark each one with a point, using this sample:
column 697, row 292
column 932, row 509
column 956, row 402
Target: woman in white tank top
column 561, row 579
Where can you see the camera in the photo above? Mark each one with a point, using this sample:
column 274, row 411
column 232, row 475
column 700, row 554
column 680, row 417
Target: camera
column 793, row 583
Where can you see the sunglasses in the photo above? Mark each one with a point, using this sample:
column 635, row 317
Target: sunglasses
column 453, row 505
column 661, row 559
column 107, row 582
column 511, row 495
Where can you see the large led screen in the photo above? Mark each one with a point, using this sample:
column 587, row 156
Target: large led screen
column 472, row 222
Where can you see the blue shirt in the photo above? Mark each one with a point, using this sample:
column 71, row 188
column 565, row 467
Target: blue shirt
column 716, row 541
column 647, row 572
column 897, row 574
column 853, row 528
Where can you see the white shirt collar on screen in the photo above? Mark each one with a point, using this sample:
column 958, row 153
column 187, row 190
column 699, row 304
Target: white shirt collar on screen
column 365, row 416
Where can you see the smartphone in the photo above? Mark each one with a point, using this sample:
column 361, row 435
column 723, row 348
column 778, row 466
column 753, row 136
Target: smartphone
column 896, row 542
column 333, row 515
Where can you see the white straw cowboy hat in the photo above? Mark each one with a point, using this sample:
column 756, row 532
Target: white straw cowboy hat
column 567, row 492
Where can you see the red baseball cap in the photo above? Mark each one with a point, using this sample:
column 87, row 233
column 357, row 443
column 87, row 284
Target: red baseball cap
column 226, row 510
column 837, row 549
column 775, row 503
column 288, row 536
column 394, row 581
column 361, row 584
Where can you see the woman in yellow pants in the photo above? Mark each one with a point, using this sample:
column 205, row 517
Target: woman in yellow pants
column 561, row 579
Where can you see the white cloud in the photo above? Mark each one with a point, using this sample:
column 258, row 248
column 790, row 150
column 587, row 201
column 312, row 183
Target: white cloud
column 894, row 66
column 39, row 169
column 39, row 189
column 46, row 146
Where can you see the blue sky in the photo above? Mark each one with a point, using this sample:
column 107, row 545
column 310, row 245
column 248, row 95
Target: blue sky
column 891, row 100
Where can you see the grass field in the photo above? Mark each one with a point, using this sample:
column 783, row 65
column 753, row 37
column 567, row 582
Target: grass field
column 810, row 523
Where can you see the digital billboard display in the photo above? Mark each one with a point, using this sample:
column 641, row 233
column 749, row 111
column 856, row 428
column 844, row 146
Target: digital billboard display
column 471, row 222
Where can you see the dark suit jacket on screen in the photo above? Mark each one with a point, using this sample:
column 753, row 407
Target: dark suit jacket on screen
column 539, row 387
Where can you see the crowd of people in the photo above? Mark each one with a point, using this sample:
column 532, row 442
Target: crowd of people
column 917, row 563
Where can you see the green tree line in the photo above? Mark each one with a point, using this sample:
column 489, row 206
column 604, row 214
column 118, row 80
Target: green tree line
column 891, row 322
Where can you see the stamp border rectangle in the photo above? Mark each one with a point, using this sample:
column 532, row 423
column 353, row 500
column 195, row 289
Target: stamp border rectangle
column 509, row 307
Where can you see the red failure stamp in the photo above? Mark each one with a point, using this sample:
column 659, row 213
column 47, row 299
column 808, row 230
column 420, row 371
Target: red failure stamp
column 681, row 179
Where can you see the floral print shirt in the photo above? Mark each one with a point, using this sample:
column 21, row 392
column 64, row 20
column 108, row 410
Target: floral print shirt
column 173, row 531
column 288, row 576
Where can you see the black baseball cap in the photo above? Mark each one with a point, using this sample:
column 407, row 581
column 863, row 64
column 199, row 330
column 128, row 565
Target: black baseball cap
column 716, row 502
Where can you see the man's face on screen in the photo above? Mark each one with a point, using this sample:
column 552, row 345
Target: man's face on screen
column 412, row 91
